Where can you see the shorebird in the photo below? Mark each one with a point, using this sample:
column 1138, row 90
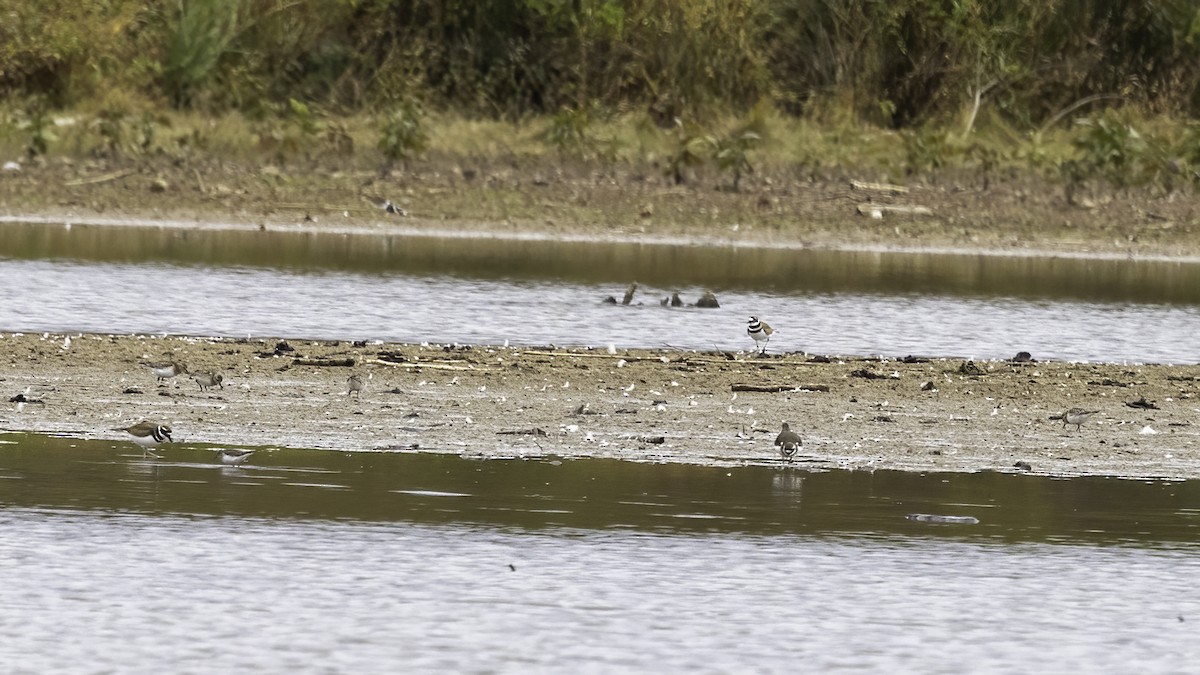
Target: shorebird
column 234, row 457
column 761, row 332
column 788, row 442
column 148, row 434
column 208, row 380
column 391, row 208
column 355, row 384
column 1077, row 416
column 164, row 371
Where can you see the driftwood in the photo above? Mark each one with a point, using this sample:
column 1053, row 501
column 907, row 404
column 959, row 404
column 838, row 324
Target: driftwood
column 533, row 431
column 878, row 187
column 776, row 388
column 596, row 356
column 323, row 362
column 103, row 178
column 1142, row 404
column 877, row 210
column 421, row 364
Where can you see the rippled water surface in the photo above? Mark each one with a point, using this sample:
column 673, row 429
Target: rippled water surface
column 462, row 290
column 366, row 562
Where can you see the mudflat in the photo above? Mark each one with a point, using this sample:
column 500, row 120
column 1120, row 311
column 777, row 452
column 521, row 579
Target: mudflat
column 721, row 409
column 663, row 406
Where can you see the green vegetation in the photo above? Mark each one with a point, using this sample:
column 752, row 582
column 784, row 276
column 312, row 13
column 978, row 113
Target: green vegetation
column 1077, row 90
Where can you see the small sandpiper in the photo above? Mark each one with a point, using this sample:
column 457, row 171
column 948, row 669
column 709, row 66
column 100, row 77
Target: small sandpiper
column 761, row 332
column 393, row 209
column 148, row 434
column 165, row 371
column 209, row 380
column 355, row 384
column 1077, row 416
column 234, row 457
column 788, row 442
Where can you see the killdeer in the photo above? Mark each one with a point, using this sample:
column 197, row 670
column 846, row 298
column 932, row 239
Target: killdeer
column 1077, row 416
column 355, row 384
column 234, row 457
column 148, row 434
column 761, row 332
column 208, row 380
column 165, row 371
column 788, row 442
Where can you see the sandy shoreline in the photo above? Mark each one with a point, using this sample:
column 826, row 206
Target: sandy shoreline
column 643, row 405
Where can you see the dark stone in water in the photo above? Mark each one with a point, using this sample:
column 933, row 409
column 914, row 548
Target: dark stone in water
column 708, row 301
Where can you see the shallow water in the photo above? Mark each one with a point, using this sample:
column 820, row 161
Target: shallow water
column 73, row 296
column 368, row 562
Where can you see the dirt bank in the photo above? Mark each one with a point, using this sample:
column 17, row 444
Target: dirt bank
column 664, row 406
column 560, row 198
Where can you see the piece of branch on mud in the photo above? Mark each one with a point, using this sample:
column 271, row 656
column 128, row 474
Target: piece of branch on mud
column 630, row 359
column 1142, row 404
column 776, row 388
column 422, row 364
column 878, row 187
column 532, row 431
column 103, row 178
column 344, row 363
column 877, row 210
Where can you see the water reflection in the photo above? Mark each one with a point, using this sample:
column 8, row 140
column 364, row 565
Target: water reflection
column 360, row 563
column 47, row 472
column 664, row 265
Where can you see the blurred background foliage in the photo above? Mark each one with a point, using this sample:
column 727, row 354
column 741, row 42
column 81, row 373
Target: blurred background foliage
column 894, row 63
column 935, row 72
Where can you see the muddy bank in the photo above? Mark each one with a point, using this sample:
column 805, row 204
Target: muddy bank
column 565, row 199
column 659, row 406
